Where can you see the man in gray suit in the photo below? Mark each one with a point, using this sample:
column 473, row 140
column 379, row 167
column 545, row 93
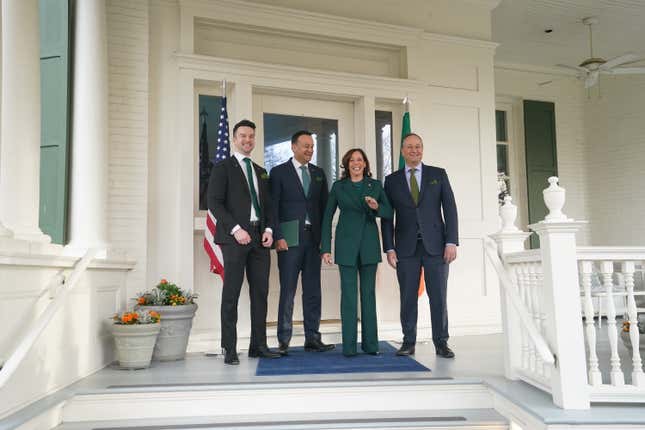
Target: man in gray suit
column 422, row 237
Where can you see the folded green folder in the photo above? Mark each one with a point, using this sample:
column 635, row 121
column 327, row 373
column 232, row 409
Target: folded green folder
column 290, row 232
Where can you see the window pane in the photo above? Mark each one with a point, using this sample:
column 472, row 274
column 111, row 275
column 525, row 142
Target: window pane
column 383, row 121
column 209, row 112
column 502, row 159
column 500, row 124
column 503, row 180
column 278, row 130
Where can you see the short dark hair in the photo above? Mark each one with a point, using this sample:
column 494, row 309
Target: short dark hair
column 411, row 134
column 243, row 123
column 297, row 134
column 345, row 163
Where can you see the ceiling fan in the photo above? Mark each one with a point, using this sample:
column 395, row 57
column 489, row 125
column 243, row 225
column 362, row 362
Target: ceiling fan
column 590, row 69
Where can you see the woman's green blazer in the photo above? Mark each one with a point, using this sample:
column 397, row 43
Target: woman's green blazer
column 356, row 232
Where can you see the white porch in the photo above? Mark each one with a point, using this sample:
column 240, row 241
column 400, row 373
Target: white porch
column 136, row 197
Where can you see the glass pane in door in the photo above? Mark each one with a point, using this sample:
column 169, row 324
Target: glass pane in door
column 278, row 130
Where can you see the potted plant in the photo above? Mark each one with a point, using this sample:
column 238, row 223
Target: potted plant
column 135, row 334
column 177, row 308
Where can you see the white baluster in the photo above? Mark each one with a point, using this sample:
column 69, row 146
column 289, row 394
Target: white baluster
column 546, row 368
column 533, row 357
column 595, row 377
column 535, row 300
column 522, row 278
column 638, row 378
column 616, row 374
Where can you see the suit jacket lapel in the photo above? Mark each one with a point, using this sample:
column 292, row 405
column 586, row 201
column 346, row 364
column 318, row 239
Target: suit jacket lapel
column 237, row 168
column 403, row 181
column 296, row 177
column 425, row 181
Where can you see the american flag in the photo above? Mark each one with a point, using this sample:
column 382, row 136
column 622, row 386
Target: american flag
column 222, row 153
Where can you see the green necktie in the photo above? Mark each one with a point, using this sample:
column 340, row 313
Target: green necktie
column 305, row 179
column 414, row 186
column 254, row 194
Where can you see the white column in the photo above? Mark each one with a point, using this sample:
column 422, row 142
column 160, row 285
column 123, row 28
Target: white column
column 563, row 322
column 89, row 167
column 4, row 231
column 20, row 136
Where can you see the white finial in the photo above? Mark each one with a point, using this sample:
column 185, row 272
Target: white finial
column 508, row 214
column 554, row 198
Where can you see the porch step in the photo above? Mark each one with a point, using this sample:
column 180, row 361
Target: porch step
column 256, row 401
column 454, row 419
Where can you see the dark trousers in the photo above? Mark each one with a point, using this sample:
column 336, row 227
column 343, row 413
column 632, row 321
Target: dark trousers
column 408, row 272
column 256, row 261
column 348, row 307
column 305, row 259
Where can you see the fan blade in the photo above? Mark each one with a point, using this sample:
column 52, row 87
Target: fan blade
column 592, row 79
column 576, row 68
column 617, row 61
column 627, row 70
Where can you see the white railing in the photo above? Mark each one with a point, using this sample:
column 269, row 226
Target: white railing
column 558, row 285
column 59, row 287
column 613, row 269
column 522, row 289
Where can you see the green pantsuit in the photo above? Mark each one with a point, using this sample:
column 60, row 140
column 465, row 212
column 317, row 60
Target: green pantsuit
column 348, row 305
column 357, row 251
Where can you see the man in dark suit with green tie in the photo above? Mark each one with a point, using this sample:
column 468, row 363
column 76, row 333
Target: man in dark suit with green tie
column 299, row 191
column 425, row 235
column 239, row 198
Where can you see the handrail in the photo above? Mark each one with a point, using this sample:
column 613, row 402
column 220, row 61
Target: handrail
column 614, row 253
column 540, row 343
column 39, row 325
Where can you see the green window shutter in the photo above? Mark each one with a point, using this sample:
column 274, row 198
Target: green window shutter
column 541, row 156
column 55, row 115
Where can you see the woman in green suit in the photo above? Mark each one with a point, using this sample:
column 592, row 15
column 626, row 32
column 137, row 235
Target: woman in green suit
column 357, row 249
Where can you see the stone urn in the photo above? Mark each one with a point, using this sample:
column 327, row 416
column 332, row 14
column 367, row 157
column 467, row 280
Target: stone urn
column 176, row 322
column 135, row 343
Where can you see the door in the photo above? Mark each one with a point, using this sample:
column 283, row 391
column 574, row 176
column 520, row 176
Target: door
column 332, row 123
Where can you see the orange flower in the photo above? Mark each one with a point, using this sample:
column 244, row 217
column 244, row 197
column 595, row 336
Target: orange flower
column 142, row 300
column 163, row 281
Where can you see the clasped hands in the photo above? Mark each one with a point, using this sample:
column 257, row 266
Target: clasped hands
column 244, row 238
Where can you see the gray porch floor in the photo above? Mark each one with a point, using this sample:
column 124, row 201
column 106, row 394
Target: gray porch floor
column 479, row 359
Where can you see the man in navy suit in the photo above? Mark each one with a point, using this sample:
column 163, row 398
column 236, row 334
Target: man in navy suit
column 421, row 238
column 299, row 192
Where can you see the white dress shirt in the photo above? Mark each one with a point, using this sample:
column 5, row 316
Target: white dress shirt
column 254, row 216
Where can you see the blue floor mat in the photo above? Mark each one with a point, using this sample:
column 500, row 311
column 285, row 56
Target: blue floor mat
column 299, row 362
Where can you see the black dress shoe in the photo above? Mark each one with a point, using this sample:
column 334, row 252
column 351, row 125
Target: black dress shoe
column 230, row 357
column 283, row 348
column 263, row 352
column 316, row 345
column 445, row 351
column 406, row 349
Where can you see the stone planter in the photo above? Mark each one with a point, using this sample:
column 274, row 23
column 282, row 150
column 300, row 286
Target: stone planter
column 628, row 343
column 176, row 322
column 135, row 343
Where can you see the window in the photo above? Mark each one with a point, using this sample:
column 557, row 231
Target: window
column 210, row 108
column 503, row 173
column 278, row 130
column 384, row 164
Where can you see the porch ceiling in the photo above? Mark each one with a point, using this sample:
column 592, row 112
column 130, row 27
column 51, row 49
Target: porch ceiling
column 518, row 25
